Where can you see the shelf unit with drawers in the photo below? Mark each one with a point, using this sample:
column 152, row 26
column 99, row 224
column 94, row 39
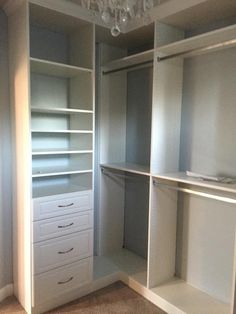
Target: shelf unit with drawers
column 54, row 124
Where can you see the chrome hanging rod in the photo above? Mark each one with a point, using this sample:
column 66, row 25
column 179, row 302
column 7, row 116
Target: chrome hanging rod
column 224, row 44
column 199, row 193
column 127, row 67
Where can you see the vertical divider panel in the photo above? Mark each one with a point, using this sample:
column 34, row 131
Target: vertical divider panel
column 162, row 245
column 165, row 140
column 18, row 22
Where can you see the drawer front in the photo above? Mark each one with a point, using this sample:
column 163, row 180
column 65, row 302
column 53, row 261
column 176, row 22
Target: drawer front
column 63, row 250
column 59, row 226
column 62, row 280
column 49, row 207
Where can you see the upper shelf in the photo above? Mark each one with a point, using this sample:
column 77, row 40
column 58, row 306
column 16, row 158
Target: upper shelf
column 56, row 69
column 181, row 177
column 188, row 46
column 129, row 61
column 128, row 167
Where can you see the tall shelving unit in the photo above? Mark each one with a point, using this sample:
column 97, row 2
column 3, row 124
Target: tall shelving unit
column 53, row 99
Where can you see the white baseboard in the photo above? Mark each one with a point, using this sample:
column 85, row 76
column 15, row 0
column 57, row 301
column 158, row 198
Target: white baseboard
column 6, row 291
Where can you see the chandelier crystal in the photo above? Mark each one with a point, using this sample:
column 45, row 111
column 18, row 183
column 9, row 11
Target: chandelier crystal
column 117, row 13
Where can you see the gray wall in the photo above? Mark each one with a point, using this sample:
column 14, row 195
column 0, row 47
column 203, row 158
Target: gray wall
column 5, row 162
column 138, row 141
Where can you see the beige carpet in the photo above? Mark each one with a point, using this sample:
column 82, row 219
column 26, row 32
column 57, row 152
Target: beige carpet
column 116, row 298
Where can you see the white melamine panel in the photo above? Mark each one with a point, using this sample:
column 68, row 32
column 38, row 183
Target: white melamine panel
column 112, row 143
column 62, row 184
column 211, row 38
column 60, row 205
column 162, row 235
column 53, row 253
column 18, row 29
column 178, row 297
column 46, row 165
column 59, row 226
column 208, row 118
column 205, row 228
column 62, row 280
column 183, row 178
column 166, row 116
column 128, row 167
column 166, row 106
column 50, row 91
column 47, row 142
column 129, row 60
column 46, row 121
column 55, row 69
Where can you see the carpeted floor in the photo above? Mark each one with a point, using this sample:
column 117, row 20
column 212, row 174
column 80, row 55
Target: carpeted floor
column 116, row 298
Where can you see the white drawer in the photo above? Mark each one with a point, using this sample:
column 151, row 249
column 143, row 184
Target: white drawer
column 63, row 250
column 56, row 205
column 59, row 226
column 62, row 280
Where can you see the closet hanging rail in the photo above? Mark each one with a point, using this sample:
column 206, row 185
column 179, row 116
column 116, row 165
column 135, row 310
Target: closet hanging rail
column 109, row 172
column 199, row 193
column 221, row 45
column 127, row 67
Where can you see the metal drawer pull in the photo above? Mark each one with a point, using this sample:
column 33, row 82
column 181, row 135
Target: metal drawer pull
column 63, row 282
column 68, row 205
column 65, row 252
column 66, row 226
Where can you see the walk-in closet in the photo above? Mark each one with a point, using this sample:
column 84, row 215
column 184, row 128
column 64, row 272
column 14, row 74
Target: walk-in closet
column 124, row 156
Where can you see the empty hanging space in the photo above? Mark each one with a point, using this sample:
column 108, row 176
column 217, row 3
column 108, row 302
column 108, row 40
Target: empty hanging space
column 192, row 247
column 192, row 220
column 124, row 152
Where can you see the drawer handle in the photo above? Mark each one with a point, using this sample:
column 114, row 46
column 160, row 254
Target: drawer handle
column 66, row 281
column 65, row 252
column 68, row 205
column 66, row 226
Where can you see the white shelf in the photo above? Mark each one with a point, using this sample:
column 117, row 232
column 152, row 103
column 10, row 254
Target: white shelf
column 181, row 177
column 128, row 167
column 62, row 131
column 56, row 69
column 56, row 171
column 178, row 295
column 60, row 152
column 197, row 42
column 60, row 110
column 57, row 189
column 130, row 60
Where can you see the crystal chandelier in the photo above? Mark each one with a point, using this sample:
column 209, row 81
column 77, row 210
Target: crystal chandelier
column 116, row 13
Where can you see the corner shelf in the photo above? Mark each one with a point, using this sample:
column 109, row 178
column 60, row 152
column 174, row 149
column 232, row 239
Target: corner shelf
column 128, row 167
